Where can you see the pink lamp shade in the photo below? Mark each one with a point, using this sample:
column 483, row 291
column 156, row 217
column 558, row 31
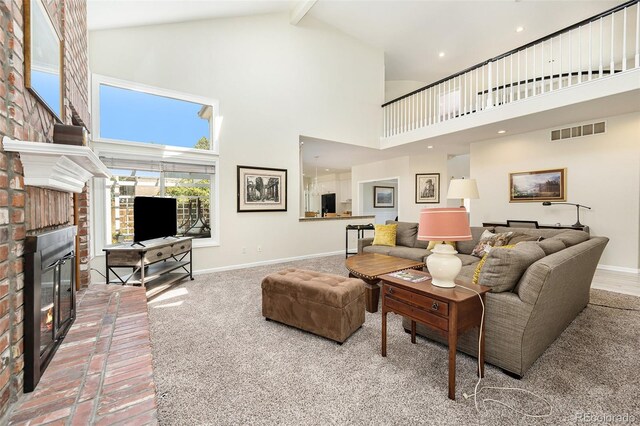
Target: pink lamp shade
column 444, row 224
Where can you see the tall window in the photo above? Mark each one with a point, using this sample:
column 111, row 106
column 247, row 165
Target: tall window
column 155, row 143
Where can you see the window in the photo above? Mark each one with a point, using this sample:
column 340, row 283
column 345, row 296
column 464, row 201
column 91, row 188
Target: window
column 192, row 191
column 156, row 143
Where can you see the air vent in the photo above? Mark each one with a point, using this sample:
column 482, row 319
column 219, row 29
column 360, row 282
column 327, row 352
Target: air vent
column 578, row 131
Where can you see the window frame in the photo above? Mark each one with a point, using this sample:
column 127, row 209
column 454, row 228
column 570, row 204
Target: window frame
column 115, row 148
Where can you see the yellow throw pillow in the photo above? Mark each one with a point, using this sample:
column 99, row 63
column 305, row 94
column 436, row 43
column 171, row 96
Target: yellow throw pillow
column 432, row 244
column 476, row 273
column 385, row 235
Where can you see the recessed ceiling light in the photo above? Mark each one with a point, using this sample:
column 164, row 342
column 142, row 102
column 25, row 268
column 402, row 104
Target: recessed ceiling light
column 519, row 29
column 430, row 147
column 326, row 170
column 500, row 132
column 441, row 54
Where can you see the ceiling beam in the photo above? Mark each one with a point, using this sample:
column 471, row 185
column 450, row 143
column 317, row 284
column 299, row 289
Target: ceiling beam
column 299, row 9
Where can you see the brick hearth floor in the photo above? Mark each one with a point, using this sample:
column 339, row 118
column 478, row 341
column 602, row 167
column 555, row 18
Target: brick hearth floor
column 102, row 372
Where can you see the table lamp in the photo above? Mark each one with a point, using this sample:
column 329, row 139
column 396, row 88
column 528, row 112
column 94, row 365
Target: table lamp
column 462, row 188
column 444, row 224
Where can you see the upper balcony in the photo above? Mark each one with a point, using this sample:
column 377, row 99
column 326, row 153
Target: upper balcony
column 595, row 62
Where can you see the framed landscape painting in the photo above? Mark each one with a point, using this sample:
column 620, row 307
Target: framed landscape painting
column 540, row 185
column 384, row 197
column 427, row 188
column 262, row 189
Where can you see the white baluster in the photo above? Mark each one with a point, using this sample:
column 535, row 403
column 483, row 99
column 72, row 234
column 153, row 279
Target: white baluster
column 511, row 79
column 542, row 66
column 518, row 78
column 612, row 64
column 560, row 72
column 601, row 54
column 535, row 71
column 570, row 75
column 590, row 50
column 624, row 40
column 551, row 63
column 579, row 54
column 637, row 58
column 526, row 73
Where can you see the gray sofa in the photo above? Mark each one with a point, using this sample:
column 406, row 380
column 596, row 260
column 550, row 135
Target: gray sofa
column 524, row 320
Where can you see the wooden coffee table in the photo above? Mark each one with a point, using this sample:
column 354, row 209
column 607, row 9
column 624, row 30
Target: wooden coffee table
column 447, row 311
column 369, row 266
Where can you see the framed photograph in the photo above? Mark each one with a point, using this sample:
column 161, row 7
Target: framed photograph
column 262, row 189
column 540, row 185
column 427, row 188
column 384, row 197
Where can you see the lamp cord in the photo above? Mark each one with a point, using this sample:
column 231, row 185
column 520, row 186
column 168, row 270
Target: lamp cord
column 478, row 389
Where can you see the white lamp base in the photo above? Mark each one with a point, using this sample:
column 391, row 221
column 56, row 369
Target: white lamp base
column 444, row 266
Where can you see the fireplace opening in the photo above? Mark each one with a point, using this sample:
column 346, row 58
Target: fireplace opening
column 49, row 298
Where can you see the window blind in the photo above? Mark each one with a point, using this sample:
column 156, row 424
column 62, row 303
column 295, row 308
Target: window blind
column 157, row 166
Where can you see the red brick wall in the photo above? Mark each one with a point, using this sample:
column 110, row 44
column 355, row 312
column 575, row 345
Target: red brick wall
column 31, row 210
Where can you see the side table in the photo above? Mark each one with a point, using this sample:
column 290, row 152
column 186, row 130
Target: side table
column 448, row 311
column 360, row 229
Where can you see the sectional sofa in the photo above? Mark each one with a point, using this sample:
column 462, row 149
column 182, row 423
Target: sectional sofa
column 539, row 287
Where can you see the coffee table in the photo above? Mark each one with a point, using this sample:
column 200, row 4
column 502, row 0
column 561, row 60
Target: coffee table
column 369, row 266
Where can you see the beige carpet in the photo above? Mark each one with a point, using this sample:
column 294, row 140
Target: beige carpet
column 217, row 361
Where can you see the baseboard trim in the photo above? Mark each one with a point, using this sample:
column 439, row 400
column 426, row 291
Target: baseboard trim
column 265, row 262
column 619, row 269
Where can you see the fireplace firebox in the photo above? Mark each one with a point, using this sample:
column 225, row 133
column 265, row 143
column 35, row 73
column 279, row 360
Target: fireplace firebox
column 50, row 298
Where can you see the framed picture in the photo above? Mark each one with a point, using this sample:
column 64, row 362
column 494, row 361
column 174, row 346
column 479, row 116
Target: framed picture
column 384, row 197
column 427, row 188
column 261, row 189
column 540, row 185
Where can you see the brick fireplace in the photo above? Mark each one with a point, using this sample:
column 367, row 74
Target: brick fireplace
column 30, row 210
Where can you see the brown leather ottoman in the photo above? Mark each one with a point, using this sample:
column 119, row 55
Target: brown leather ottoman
column 328, row 305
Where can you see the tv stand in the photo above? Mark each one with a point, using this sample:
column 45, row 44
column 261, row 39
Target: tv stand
column 156, row 264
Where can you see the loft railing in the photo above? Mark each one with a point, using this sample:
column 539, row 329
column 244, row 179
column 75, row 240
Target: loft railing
column 595, row 48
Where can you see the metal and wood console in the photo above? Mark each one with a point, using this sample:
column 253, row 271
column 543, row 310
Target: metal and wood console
column 156, row 264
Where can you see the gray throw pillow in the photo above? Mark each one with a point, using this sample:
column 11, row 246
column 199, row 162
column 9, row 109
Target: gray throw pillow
column 519, row 237
column 406, row 232
column 572, row 237
column 504, row 266
column 551, row 245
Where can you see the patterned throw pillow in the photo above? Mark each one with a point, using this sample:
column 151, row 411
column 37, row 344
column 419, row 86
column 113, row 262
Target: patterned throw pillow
column 432, row 244
column 489, row 239
column 385, row 235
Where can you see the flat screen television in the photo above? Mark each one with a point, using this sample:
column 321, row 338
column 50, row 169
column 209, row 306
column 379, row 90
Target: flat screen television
column 154, row 217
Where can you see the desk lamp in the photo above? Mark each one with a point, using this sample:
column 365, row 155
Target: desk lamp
column 577, row 224
column 444, row 224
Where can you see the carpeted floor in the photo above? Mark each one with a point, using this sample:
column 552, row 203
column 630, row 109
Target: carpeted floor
column 217, row 361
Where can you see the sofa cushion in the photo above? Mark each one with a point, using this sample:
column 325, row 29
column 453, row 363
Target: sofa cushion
column 518, row 237
column 421, row 244
column 572, row 237
column 541, row 232
column 466, row 247
column 405, row 233
column 551, row 245
column 409, row 253
column 489, row 239
column 467, row 259
column 385, row 235
column 503, row 267
column 466, row 273
column 377, row 249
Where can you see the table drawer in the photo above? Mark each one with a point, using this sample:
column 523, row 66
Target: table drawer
column 415, row 313
column 427, row 303
column 157, row 254
column 181, row 247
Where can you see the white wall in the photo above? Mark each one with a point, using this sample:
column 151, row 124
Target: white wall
column 395, row 88
column 404, row 169
column 381, row 214
column 603, row 172
column 274, row 82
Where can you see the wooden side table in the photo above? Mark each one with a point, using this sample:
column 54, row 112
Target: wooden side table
column 448, row 311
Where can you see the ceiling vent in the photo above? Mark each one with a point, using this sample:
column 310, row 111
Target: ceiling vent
column 578, row 131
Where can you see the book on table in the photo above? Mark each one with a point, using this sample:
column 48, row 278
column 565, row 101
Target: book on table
column 410, row 275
